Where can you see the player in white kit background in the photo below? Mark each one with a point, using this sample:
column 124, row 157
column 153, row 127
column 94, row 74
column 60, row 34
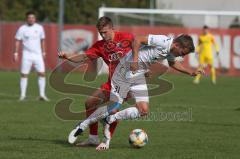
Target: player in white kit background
column 32, row 37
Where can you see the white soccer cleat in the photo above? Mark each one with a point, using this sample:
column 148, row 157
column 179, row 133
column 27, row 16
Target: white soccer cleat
column 72, row 137
column 102, row 147
column 196, row 81
column 22, row 98
column 214, row 82
column 43, row 98
column 89, row 142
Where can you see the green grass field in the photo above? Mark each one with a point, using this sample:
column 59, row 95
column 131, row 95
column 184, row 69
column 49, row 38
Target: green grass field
column 30, row 129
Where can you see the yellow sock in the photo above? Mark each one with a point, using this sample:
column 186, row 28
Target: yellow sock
column 213, row 74
column 197, row 79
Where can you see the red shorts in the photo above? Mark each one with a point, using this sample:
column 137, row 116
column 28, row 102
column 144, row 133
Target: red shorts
column 106, row 88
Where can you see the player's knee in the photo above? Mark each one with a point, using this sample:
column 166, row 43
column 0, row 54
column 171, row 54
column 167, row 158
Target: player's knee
column 88, row 104
column 144, row 111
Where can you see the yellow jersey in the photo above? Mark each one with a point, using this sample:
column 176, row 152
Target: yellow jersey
column 205, row 43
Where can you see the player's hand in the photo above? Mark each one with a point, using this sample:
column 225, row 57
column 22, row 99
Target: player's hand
column 134, row 67
column 199, row 71
column 62, row 55
column 148, row 74
column 15, row 57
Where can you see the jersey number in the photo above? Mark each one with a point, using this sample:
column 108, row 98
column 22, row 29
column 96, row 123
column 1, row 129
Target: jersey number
column 117, row 89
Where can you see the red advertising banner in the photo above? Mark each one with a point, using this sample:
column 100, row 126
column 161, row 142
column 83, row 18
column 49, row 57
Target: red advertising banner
column 77, row 38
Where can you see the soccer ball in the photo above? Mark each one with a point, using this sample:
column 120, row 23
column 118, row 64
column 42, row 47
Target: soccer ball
column 138, row 138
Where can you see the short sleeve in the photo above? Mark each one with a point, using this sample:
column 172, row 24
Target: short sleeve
column 19, row 34
column 156, row 40
column 42, row 33
column 93, row 52
column 131, row 37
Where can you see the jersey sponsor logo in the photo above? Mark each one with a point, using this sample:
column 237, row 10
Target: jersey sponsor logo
column 115, row 56
column 112, row 46
column 124, row 44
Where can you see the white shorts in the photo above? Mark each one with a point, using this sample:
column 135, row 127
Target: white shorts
column 29, row 60
column 120, row 86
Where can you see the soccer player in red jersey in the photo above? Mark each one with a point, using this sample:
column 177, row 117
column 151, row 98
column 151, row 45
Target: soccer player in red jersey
column 113, row 46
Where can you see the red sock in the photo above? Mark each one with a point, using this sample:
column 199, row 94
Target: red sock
column 93, row 128
column 113, row 127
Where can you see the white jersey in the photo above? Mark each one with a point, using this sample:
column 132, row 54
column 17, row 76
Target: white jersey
column 123, row 80
column 31, row 37
column 158, row 49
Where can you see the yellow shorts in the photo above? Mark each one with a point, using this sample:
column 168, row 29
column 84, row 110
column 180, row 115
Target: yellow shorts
column 205, row 60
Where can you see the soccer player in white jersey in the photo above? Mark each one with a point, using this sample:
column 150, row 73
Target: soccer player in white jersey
column 32, row 37
column 129, row 76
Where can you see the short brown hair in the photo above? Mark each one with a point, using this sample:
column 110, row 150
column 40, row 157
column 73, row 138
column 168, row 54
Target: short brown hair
column 30, row 13
column 104, row 21
column 185, row 41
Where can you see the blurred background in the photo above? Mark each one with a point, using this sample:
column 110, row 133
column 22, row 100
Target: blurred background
column 70, row 25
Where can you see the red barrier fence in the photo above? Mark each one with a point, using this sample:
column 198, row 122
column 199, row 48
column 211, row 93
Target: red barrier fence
column 80, row 37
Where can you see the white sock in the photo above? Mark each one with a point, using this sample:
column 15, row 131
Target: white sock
column 100, row 113
column 42, row 85
column 129, row 113
column 95, row 137
column 23, row 86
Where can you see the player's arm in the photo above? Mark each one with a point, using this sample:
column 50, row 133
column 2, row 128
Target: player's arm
column 43, row 45
column 179, row 67
column 198, row 45
column 73, row 57
column 138, row 40
column 215, row 45
column 17, row 47
column 89, row 54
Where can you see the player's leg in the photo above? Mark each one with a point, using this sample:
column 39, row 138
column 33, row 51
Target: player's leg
column 40, row 68
column 97, row 98
column 102, row 112
column 119, row 91
column 201, row 66
column 23, row 86
column 26, row 65
column 140, row 93
column 140, row 109
column 212, row 70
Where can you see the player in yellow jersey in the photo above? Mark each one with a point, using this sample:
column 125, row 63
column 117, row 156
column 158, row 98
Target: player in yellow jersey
column 204, row 50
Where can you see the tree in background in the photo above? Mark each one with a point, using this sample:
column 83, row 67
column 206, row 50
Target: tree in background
column 76, row 11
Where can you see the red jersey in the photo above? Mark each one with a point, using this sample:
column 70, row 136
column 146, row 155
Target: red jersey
column 111, row 51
